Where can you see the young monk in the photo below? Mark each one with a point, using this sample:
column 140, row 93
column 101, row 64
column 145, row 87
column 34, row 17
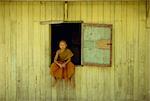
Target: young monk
column 62, row 68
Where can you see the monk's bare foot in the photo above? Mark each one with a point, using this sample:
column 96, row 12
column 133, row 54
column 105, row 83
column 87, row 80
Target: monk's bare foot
column 71, row 83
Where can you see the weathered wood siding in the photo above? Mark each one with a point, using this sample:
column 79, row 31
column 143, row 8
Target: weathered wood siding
column 148, row 64
column 25, row 52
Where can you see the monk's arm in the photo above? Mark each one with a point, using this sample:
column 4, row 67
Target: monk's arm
column 55, row 59
column 67, row 61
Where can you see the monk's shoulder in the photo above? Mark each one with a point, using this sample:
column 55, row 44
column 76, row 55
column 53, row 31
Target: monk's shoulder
column 58, row 51
column 68, row 50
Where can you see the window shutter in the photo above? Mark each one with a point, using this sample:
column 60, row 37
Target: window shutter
column 97, row 44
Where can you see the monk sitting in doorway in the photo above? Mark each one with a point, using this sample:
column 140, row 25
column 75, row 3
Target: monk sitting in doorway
column 62, row 68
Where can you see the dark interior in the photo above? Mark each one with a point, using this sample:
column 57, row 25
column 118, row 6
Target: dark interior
column 71, row 33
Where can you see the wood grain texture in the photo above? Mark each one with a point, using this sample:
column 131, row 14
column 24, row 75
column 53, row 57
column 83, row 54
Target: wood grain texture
column 67, row 0
column 25, row 52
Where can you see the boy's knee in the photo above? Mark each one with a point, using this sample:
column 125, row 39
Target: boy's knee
column 70, row 63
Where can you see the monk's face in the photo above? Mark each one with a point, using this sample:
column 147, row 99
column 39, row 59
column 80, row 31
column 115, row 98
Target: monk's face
column 62, row 45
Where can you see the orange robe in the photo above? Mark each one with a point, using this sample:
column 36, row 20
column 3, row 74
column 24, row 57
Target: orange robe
column 66, row 72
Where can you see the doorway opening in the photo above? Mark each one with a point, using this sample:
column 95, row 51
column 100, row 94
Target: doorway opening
column 71, row 33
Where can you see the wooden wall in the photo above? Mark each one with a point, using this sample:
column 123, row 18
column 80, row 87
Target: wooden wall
column 148, row 32
column 25, row 53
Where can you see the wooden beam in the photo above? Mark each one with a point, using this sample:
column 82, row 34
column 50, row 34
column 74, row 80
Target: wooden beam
column 47, row 22
column 71, row 0
column 66, row 10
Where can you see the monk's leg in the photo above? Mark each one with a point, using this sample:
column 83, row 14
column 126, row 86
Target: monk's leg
column 70, row 73
column 70, row 69
column 53, row 68
column 54, row 81
column 56, row 73
column 72, row 81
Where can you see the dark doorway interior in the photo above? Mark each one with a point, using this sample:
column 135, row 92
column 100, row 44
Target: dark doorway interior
column 71, row 33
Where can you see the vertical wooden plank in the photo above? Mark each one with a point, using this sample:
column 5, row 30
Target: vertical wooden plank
column 53, row 10
column 56, row 12
column 48, row 11
column 2, row 17
column 148, row 32
column 84, row 84
column 74, row 8
column 49, row 94
column 2, row 73
column 107, row 12
column 95, row 16
column 2, row 53
column 42, row 47
column 36, row 49
column 77, row 12
column 130, row 46
column 7, row 37
column 47, row 30
column 118, row 59
column 135, row 26
column 32, row 75
column 89, row 11
column 148, row 59
column 19, row 51
column 95, row 85
column 71, row 7
column 78, row 83
column 25, row 62
column 10, row 23
column 69, row 11
column 60, row 12
column 100, row 12
column 13, row 24
column 101, row 84
column 147, row 66
column 124, row 51
column 83, row 11
column 88, row 82
column 142, row 52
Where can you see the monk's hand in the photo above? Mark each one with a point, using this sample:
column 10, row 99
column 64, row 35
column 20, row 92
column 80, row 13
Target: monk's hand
column 60, row 65
column 63, row 65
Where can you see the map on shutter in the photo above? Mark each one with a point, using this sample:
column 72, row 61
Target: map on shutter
column 97, row 44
